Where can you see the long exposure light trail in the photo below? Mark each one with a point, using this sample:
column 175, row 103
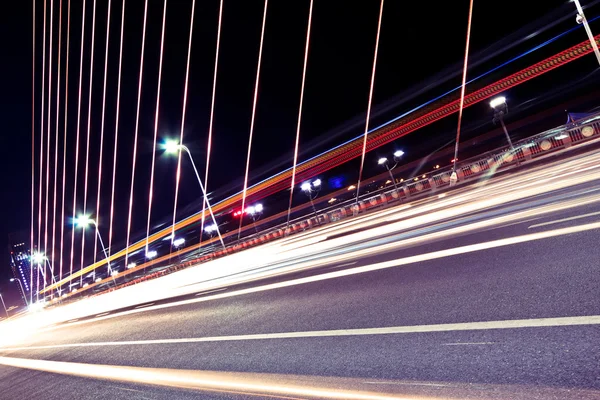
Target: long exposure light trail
column 56, row 135
column 135, row 136
column 463, row 87
column 297, row 142
column 253, row 118
column 102, row 130
column 87, row 142
column 64, row 166
column 211, row 121
column 32, row 155
column 77, row 146
column 41, row 175
column 372, row 86
column 116, row 145
column 160, row 67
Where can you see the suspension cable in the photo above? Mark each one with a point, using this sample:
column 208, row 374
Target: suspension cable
column 297, row 143
column 41, row 151
column 462, row 89
column 114, row 173
column 102, row 131
column 32, row 158
column 211, row 123
column 262, row 36
column 364, row 147
column 77, row 145
column 48, row 138
column 160, row 65
column 64, row 168
column 56, row 134
column 135, row 138
column 87, row 142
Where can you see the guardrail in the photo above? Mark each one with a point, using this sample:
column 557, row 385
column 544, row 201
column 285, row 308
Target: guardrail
column 548, row 143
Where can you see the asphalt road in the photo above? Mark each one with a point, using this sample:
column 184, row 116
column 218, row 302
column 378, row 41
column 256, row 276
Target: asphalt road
column 408, row 330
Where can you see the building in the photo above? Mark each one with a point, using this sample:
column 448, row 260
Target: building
column 20, row 263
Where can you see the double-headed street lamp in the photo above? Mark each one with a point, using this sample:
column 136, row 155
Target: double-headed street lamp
column 83, row 221
column 500, row 110
column 312, row 190
column 22, row 289
column 173, row 147
column 384, row 161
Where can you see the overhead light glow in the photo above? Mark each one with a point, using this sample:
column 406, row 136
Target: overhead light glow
column 171, row 146
column 498, row 101
column 382, row 161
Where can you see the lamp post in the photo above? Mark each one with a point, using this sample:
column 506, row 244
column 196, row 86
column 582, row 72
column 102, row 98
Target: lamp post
column 500, row 110
column 172, row 147
column 312, row 191
column 22, row 289
column 384, row 161
column 582, row 20
column 84, row 221
column 4, row 304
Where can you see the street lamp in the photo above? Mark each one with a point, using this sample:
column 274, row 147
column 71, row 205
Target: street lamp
column 22, row 289
column 500, row 110
column 178, row 242
column 582, row 20
column 173, row 147
column 312, row 191
column 84, row 221
column 4, row 304
column 151, row 254
column 255, row 212
column 384, row 161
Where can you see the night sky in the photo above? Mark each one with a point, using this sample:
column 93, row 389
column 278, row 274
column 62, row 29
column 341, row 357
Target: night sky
column 422, row 46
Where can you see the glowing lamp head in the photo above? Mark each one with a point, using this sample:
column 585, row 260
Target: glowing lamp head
column 210, row 228
column 305, row 186
column 398, row 153
column 83, row 221
column 38, row 258
column 258, row 208
column 497, row 102
column 316, row 183
column 171, row 146
column 178, row 242
column 131, row 265
column 382, row 161
column 12, row 279
column 151, row 254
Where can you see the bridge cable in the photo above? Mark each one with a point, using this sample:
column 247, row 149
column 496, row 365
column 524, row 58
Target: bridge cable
column 32, row 159
column 41, row 152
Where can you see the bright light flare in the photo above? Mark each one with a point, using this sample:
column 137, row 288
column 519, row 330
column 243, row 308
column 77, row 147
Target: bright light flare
column 83, row 221
column 151, row 254
column 38, row 258
column 498, row 101
column 305, row 186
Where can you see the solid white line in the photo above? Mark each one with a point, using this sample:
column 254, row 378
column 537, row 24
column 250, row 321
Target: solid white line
column 210, row 291
column 103, row 314
column 564, row 220
column 462, row 326
column 467, row 343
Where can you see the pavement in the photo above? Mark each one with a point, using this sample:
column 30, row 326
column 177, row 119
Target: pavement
column 486, row 292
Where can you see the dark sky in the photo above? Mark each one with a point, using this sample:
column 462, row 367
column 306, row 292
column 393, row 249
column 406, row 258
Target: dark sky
column 422, row 44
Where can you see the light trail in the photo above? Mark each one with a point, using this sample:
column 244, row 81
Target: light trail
column 77, row 146
column 41, row 151
column 87, row 142
column 52, row 246
column 102, row 131
column 252, row 120
column 211, row 125
column 114, row 172
column 48, row 141
column 297, row 143
column 463, row 87
column 372, row 86
column 248, row 384
column 135, row 137
column 32, row 156
column 64, row 168
column 160, row 66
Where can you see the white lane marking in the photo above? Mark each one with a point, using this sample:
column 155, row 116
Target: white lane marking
column 210, row 291
column 357, row 270
column 388, row 330
column 144, row 305
column 232, row 382
column 564, row 220
column 468, row 343
column 102, row 315
column 407, row 384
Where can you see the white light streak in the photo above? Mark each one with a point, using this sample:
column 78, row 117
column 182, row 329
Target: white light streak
column 41, row 150
column 364, row 148
column 252, row 120
column 32, row 150
column 160, row 65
